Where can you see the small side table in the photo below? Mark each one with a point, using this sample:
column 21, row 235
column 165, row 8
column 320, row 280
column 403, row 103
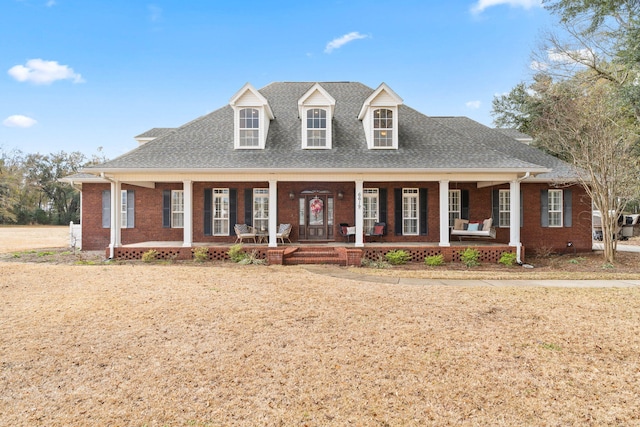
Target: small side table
column 262, row 237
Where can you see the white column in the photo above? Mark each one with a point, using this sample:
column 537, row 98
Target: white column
column 514, row 213
column 273, row 213
column 444, row 213
column 116, row 218
column 187, row 187
column 359, row 214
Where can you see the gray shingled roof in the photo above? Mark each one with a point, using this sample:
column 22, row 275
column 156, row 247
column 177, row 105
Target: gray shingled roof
column 499, row 141
column 514, row 133
column 154, row 133
column 424, row 142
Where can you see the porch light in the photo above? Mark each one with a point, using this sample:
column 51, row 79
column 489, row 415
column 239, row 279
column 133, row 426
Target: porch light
column 340, row 194
column 292, row 195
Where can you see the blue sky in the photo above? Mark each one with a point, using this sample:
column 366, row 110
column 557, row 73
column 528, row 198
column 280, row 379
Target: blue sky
column 76, row 75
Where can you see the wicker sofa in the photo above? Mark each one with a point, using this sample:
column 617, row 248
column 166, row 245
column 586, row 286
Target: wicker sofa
column 465, row 228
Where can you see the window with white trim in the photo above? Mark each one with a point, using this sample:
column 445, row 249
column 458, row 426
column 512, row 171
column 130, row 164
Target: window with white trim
column 504, row 208
column 177, row 208
column 383, row 128
column 316, row 125
column 455, row 204
column 410, row 211
column 249, row 127
column 261, row 209
column 220, row 211
column 123, row 209
column 555, row 208
column 370, row 208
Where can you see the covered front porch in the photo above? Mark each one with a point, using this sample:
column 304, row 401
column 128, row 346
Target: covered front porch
column 341, row 253
column 416, row 208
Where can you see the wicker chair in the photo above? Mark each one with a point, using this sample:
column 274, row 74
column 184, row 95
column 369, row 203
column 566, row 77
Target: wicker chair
column 283, row 232
column 244, row 231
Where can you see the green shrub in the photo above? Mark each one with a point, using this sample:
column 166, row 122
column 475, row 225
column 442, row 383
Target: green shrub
column 397, row 257
column 236, row 253
column 508, row 258
column 469, row 257
column 200, row 254
column 150, row 255
column 434, row 260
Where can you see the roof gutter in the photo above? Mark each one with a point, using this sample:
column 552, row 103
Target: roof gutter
column 307, row 170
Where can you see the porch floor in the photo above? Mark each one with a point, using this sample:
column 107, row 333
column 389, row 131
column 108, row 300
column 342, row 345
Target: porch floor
column 178, row 244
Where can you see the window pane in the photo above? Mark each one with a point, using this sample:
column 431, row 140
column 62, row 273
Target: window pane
column 261, row 209
column 370, row 208
column 177, row 208
column 454, row 206
column 220, row 211
column 383, row 128
column 316, row 128
column 123, row 209
column 504, row 208
column 555, row 208
column 410, row 211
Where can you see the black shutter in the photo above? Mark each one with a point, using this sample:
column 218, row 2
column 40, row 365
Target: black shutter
column 208, row 211
column 248, row 206
column 166, row 208
column 131, row 204
column 106, row 209
column 567, row 207
column 382, row 205
column 495, row 208
column 424, row 222
column 544, row 208
column 233, row 209
column 521, row 208
column 397, row 198
column 464, row 213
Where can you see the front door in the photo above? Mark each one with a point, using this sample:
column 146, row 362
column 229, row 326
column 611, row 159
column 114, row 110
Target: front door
column 318, row 217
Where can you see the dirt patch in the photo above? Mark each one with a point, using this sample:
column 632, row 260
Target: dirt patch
column 176, row 345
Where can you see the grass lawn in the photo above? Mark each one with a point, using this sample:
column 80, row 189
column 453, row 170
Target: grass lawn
column 138, row 344
column 219, row 344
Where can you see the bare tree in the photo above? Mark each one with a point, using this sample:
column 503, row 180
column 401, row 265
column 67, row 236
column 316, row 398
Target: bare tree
column 583, row 121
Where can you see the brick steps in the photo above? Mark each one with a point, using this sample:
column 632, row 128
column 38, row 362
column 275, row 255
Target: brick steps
column 314, row 256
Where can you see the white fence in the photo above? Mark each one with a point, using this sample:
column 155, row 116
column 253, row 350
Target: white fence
column 75, row 235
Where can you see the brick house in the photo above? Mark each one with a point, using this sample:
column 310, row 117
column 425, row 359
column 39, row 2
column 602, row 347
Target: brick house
column 317, row 155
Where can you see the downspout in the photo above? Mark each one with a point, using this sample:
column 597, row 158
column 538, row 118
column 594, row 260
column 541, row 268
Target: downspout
column 519, row 247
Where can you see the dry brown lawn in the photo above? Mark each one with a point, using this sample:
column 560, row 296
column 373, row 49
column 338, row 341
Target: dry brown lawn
column 21, row 238
column 220, row 344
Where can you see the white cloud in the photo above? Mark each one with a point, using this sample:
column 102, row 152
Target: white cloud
column 40, row 72
column 481, row 5
column 341, row 41
column 576, row 57
column 18, row 121
column 155, row 13
column 51, row 3
column 473, row 104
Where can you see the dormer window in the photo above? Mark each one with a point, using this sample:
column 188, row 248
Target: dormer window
column 316, row 128
column 252, row 116
column 249, row 127
column 382, row 128
column 379, row 115
column 316, row 112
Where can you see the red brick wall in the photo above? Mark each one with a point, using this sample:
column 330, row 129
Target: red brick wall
column 579, row 234
column 94, row 237
column 148, row 213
